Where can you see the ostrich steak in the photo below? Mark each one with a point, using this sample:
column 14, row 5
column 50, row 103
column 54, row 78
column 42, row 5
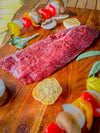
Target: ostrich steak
column 46, row 56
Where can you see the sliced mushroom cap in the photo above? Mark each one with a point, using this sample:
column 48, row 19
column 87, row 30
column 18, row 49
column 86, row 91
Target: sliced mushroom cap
column 68, row 123
column 3, row 92
column 35, row 11
column 61, row 5
column 76, row 112
column 59, row 18
column 48, row 24
column 34, row 14
column 59, row 2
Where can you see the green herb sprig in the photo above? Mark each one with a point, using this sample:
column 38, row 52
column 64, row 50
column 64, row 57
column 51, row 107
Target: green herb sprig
column 95, row 69
column 20, row 42
column 96, row 66
column 87, row 54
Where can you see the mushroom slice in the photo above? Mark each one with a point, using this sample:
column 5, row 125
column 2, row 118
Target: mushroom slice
column 76, row 112
column 48, row 24
column 59, row 5
column 34, row 14
column 3, row 92
column 60, row 18
column 47, row 91
column 68, row 122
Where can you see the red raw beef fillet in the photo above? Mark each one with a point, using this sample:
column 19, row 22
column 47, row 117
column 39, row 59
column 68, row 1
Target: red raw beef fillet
column 49, row 55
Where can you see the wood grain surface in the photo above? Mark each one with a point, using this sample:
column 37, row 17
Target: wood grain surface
column 22, row 113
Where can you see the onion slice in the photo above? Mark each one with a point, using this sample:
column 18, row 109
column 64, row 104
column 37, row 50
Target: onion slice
column 76, row 112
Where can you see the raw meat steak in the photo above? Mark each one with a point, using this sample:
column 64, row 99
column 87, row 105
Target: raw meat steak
column 49, row 55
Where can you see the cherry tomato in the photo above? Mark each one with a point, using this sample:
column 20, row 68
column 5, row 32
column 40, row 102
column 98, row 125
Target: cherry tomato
column 86, row 108
column 26, row 22
column 45, row 13
column 51, row 9
column 95, row 104
column 52, row 128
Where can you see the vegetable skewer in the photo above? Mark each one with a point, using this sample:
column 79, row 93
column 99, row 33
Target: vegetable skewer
column 81, row 110
column 72, row 119
column 36, row 16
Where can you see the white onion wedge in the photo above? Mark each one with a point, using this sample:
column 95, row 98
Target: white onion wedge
column 76, row 112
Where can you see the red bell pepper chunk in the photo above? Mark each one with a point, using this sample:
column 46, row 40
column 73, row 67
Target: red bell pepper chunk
column 95, row 104
column 52, row 128
column 51, row 9
column 45, row 13
column 26, row 22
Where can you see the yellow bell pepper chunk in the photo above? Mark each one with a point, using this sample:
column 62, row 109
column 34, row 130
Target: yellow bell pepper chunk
column 86, row 108
column 93, row 83
column 14, row 28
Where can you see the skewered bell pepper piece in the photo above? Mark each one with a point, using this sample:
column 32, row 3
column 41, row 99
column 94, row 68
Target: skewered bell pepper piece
column 26, row 22
column 51, row 9
column 86, row 108
column 93, row 83
column 26, row 15
column 52, row 128
column 14, row 28
column 95, row 104
column 95, row 94
column 19, row 23
column 45, row 14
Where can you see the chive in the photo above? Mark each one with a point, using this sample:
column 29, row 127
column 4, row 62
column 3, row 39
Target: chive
column 87, row 54
column 95, row 69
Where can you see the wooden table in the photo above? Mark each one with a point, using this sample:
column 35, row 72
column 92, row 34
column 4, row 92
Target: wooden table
column 22, row 110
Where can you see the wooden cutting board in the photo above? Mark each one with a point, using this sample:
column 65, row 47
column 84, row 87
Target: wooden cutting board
column 22, row 113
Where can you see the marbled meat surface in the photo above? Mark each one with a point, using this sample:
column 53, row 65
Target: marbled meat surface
column 49, row 55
